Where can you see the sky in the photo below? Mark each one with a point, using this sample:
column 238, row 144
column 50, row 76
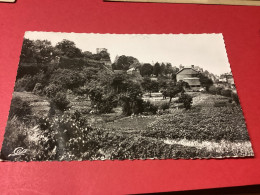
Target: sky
column 204, row 50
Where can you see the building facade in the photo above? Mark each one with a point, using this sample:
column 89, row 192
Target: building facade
column 191, row 76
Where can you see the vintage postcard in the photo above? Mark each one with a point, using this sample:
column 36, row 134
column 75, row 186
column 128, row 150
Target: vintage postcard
column 81, row 96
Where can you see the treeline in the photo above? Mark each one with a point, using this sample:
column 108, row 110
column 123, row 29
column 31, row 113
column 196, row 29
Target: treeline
column 42, row 51
column 146, row 69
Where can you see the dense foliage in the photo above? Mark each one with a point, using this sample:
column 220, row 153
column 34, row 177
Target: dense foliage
column 19, row 108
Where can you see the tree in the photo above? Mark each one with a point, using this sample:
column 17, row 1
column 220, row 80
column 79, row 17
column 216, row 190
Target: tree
column 27, row 52
column 69, row 49
column 101, row 101
column 174, row 88
column 157, row 69
column 186, row 100
column 146, row 69
column 168, row 69
column 39, row 51
column 43, row 51
column 149, row 85
column 119, row 82
column 124, row 62
column 163, row 68
column 19, row 108
column 90, row 73
column 68, row 79
column 60, row 100
column 205, row 81
column 132, row 99
column 104, row 55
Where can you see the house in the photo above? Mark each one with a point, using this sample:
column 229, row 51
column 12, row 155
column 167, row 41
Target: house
column 189, row 75
column 119, row 71
column 226, row 80
column 131, row 71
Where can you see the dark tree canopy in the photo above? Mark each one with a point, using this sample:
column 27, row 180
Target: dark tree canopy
column 27, row 52
column 163, row 68
column 146, row 69
column 168, row 69
column 156, row 69
column 205, row 81
column 69, row 49
column 174, row 88
column 38, row 51
column 124, row 62
column 150, row 85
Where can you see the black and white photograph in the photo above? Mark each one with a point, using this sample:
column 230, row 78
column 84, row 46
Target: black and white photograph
column 87, row 96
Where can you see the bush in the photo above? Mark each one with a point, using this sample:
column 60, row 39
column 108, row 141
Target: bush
column 60, row 100
column 220, row 104
column 226, row 92
column 107, row 103
column 51, row 90
column 138, row 106
column 38, row 89
column 186, row 100
column 25, row 83
column 213, row 90
column 149, row 107
column 68, row 79
column 235, row 98
column 28, row 82
column 218, row 90
column 165, row 106
column 80, row 90
column 19, row 108
column 27, row 69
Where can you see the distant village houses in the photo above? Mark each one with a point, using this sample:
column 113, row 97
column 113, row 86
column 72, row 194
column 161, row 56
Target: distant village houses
column 226, row 80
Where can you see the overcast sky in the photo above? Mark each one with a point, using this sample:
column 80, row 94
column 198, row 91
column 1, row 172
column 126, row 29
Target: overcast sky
column 204, row 50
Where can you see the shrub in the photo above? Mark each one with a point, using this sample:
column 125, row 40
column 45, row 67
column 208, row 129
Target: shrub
column 165, row 106
column 186, row 100
column 126, row 107
column 218, row 90
column 149, row 107
column 213, row 90
column 27, row 69
column 25, row 83
column 235, row 98
column 38, row 89
column 68, row 79
column 51, row 90
column 226, row 92
column 138, row 106
column 81, row 90
column 220, row 104
column 107, row 103
column 61, row 101
column 28, row 82
column 19, row 108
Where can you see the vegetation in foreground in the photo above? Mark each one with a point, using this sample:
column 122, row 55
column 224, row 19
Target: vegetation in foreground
column 71, row 137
